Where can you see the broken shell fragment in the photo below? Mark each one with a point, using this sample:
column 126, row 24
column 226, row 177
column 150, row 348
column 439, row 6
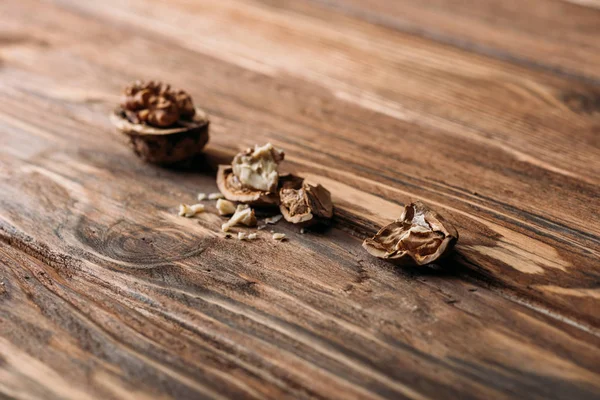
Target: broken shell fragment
column 225, row 207
column 243, row 215
column 420, row 236
column 302, row 202
column 257, row 168
column 233, row 190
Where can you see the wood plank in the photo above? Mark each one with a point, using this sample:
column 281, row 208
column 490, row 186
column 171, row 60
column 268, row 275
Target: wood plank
column 101, row 272
column 554, row 35
column 517, row 229
column 107, row 289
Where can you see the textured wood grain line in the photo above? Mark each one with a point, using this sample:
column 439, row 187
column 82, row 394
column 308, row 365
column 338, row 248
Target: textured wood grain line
column 587, row 3
column 80, row 192
column 174, row 308
column 503, row 30
column 332, row 74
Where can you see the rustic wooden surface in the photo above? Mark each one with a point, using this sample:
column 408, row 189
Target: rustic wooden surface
column 489, row 111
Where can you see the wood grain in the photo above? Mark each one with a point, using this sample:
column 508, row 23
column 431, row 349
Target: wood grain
column 106, row 293
column 560, row 36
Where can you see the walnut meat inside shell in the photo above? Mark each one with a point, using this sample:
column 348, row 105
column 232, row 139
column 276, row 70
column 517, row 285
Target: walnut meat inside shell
column 420, row 236
column 156, row 104
column 162, row 124
column 233, row 190
column 257, row 168
column 302, row 202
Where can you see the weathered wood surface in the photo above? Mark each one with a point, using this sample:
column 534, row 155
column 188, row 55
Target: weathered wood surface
column 106, row 293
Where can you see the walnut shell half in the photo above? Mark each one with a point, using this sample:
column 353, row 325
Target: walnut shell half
column 233, row 190
column 302, row 202
column 421, row 236
column 165, row 145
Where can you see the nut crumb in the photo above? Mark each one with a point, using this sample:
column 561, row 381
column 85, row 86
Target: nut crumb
column 279, row 236
column 189, row 211
column 302, row 231
column 244, row 236
column 273, row 220
column 202, row 196
column 215, row 196
column 225, row 207
column 243, row 215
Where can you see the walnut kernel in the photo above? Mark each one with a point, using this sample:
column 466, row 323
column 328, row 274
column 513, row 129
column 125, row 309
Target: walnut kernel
column 279, row 236
column 189, row 211
column 243, row 215
column 156, row 104
column 225, row 207
column 257, row 168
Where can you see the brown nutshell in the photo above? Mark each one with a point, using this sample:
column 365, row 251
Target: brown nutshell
column 233, row 190
column 302, row 202
column 420, row 236
column 164, row 146
column 161, row 123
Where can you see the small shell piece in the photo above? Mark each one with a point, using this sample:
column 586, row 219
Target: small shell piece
column 302, row 202
column 421, row 236
column 215, row 196
column 243, row 215
column 190, row 211
column 225, row 207
column 202, row 196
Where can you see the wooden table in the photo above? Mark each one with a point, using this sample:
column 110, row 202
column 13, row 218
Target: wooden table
column 487, row 110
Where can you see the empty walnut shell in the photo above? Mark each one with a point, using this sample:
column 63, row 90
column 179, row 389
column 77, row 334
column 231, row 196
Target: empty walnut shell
column 302, row 202
column 420, row 236
column 165, row 145
column 233, row 190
